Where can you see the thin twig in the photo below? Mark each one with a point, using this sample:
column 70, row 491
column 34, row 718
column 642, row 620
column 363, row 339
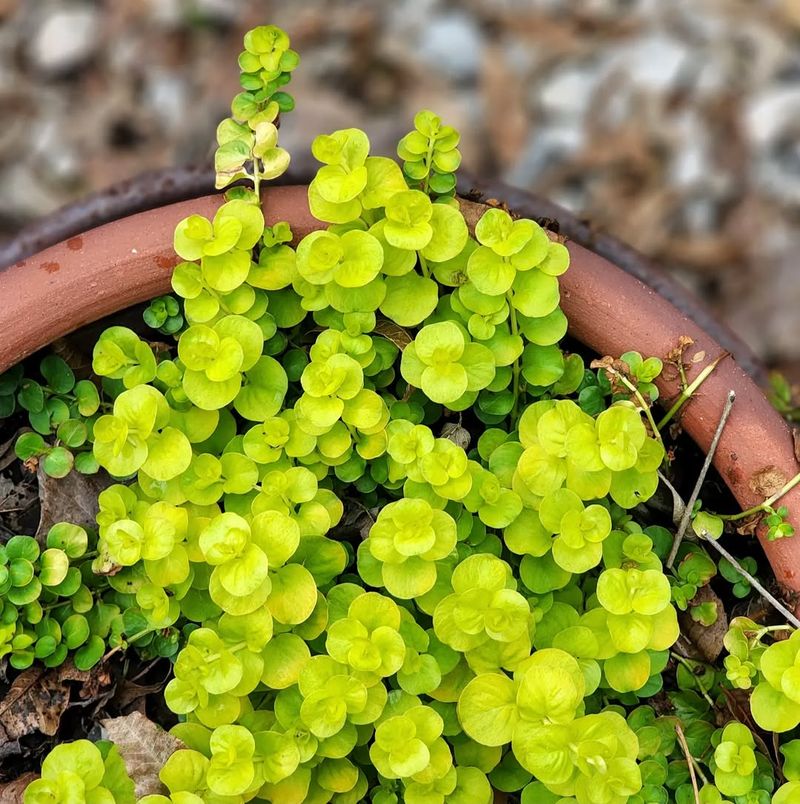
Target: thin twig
column 771, row 599
column 687, row 511
column 689, row 760
column 687, row 664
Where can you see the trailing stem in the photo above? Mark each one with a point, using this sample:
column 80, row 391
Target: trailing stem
column 516, row 368
column 768, row 503
column 689, row 390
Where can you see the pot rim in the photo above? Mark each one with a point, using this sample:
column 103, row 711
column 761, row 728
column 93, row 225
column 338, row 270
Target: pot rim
column 158, row 188
column 129, row 260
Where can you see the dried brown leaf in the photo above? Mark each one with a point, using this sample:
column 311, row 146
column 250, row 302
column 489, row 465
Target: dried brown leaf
column 144, row 746
column 70, row 499
column 11, row 793
column 394, row 333
column 7, row 454
column 706, row 639
column 38, row 698
column 749, row 526
column 767, row 481
column 453, row 431
column 35, row 702
column 796, row 442
column 129, row 693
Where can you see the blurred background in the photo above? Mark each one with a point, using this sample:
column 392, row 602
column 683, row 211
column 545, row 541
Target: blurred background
column 672, row 125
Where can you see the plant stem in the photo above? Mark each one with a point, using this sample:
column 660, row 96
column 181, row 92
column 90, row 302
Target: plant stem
column 687, row 511
column 767, row 629
column 756, row 509
column 516, row 368
column 689, row 390
column 125, row 644
column 688, row 666
column 428, row 163
column 424, row 265
column 771, row 599
column 640, row 399
column 257, row 180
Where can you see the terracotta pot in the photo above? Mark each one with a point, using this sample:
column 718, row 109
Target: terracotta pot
column 111, row 267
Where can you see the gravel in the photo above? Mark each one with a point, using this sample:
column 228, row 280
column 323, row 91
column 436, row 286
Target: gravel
column 672, row 125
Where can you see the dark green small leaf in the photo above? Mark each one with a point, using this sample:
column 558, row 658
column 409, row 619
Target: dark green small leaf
column 442, row 183
column 72, row 432
column 90, row 654
column 58, row 374
column 88, row 397
column 31, row 396
column 45, row 646
column 41, row 421
column 7, row 405
column 591, row 400
column 30, row 445
column 284, row 100
column 10, row 380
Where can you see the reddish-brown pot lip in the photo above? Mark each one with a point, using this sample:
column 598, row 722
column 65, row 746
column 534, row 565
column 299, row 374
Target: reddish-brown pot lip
column 130, row 260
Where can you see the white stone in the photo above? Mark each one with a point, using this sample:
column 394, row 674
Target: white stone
column 769, row 111
column 654, row 62
column 65, row 39
column 452, row 44
column 565, row 94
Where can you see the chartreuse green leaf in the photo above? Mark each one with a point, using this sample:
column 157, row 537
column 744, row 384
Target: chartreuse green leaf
column 735, row 760
column 484, row 617
column 405, row 542
column 70, row 768
column 445, row 364
column 122, row 355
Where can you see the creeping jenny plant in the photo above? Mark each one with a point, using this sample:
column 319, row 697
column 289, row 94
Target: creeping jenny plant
column 385, row 528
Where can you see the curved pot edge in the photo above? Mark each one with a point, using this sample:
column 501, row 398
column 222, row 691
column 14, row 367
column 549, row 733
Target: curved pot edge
column 128, row 261
column 157, row 188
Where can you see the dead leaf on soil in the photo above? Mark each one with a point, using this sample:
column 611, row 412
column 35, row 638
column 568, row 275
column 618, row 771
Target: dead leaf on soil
column 71, row 499
column 706, row 639
column 453, row 431
column 38, row 698
column 11, row 793
column 7, row 454
column 394, row 333
column 767, row 481
column 144, row 746
column 35, row 702
column 129, row 693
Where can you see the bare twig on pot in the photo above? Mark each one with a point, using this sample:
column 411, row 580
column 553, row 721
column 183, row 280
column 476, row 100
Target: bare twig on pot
column 754, row 582
column 687, row 511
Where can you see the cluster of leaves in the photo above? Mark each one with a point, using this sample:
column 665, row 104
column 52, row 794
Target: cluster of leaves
column 83, row 771
column 60, row 409
column 164, row 314
column 250, row 135
column 54, row 606
column 360, row 603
